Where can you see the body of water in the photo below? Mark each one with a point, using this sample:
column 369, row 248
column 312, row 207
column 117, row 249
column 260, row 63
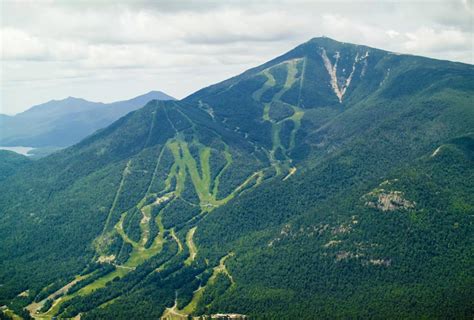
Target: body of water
column 19, row 149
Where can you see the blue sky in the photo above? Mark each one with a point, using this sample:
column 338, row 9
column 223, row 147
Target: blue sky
column 108, row 51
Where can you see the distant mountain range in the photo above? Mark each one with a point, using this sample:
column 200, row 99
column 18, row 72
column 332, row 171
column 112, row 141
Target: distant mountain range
column 61, row 123
column 335, row 181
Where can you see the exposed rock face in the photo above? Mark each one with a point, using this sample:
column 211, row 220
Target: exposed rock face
column 332, row 243
column 332, row 70
column 387, row 200
column 340, row 84
column 380, row 262
column 436, row 151
column 390, row 201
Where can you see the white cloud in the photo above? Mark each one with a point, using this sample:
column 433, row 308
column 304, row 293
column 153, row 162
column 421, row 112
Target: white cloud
column 428, row 40
column 392, row 34
column 19, row 45
column 52, row 49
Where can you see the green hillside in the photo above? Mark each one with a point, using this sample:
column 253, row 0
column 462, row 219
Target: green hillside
column 334, row 181
column 10, row 163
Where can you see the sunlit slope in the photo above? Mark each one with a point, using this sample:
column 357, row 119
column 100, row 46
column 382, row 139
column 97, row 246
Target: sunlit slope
column 399, row 244
column 331, row 177
column 86, row 190
column 324, row 90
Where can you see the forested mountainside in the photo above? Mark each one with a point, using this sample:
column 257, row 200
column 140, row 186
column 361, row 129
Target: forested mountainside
column 334, row 181
column 11, row 162
column 61, row 123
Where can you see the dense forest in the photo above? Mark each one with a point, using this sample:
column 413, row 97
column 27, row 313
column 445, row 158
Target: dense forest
column 272, row 195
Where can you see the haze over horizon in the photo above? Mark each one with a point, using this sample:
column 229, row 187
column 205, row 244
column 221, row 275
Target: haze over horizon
column 109, row 52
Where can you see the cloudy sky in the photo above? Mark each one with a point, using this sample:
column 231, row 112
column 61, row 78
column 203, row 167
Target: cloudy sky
column 108, row 51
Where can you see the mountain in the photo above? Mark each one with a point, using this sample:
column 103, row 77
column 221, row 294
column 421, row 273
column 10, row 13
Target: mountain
column 334, row 181
column 61, row 123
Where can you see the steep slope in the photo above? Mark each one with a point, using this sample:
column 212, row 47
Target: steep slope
column 288, row 104
column 61, row 123
column 334, row 180
column 399, row 246
column 10, row 163
column 166, row 165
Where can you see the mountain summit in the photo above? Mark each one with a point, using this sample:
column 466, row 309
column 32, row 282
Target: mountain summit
column 333, row 181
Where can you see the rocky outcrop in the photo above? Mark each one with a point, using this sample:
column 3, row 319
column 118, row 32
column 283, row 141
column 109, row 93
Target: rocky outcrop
column 387, row 200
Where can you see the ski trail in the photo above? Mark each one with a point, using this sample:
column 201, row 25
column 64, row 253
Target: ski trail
column 125, row 173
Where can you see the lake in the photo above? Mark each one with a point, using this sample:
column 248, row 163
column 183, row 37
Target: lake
column 19, row 149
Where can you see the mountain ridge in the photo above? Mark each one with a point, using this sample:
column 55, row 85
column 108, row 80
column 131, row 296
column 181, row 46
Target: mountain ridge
column 266, row 195
column 60, row 123
column 151, row 95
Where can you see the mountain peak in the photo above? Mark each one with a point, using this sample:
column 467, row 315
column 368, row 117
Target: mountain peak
column 329, row 43
column 323, row 39
column 71, row 99
column 152, row 95
column 298, row 166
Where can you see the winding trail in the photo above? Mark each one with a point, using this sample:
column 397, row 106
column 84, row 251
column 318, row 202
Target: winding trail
column 184, row 166
column 290, row 173
column 298, row 113
column 125, row 173
column 178, row 242
column 191, row 246
column 198, row 294
column 35, row 306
